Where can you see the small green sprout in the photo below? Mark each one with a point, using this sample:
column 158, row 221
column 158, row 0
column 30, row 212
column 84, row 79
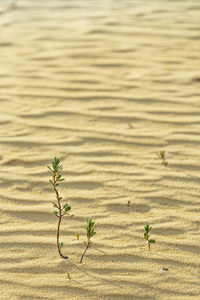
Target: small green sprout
column 147, row 230
column 60, row 210
column 68, row 276
column 77, row 236
column 163, row 156
column 89, row 233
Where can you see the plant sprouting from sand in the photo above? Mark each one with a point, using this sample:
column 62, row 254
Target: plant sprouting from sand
column 60, row 210
column 163, row 156
column 147, row 230
column 77, row 236
column 89, row 233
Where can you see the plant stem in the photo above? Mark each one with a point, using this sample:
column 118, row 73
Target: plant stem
column 84, row 253
column 60, row 215
column 148, row 241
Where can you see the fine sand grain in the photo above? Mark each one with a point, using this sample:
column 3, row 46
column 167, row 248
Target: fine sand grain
column 103, row 85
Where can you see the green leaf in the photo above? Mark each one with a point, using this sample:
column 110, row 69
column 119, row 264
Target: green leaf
column 50, row 168
column 55, row 163
column 58, row 176
column 61, row 244
column 56, row 160
column 66, row 207
column 55, row 212
column 56, row 184
column 50, row 181
column 152, row 241
column 54, row 204
column 92, row 234
column 92, row 223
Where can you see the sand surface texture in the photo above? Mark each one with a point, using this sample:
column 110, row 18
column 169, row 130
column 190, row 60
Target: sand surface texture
column 103, row 85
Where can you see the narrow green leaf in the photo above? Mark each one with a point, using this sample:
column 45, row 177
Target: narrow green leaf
column 58, row 176
column 152, row 241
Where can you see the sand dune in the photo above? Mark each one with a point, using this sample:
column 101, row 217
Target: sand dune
column 103, row 85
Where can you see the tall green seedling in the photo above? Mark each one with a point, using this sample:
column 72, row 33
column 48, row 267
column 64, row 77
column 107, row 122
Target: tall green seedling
column 60, row 210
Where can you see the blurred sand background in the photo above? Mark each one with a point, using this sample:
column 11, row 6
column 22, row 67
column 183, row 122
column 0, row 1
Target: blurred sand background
column 103, row 85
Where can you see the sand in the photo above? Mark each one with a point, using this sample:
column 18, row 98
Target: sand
column 103, row 85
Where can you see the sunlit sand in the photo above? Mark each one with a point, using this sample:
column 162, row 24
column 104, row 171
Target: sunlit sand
column 104, row 86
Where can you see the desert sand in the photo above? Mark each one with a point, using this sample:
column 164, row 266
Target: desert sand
column 103, row 85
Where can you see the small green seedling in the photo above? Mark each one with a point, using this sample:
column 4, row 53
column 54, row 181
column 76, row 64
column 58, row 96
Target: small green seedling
column 60, row 210
column 77, row 236
column 147, row 230
column 89, row 233
column 68, row 276
column 163, row 156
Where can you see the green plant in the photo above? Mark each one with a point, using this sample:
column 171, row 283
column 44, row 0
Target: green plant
column 89, row 233
column 77, row 236
column 68, row 276
column 147, row 230
column 163, row 156
column 60, row 210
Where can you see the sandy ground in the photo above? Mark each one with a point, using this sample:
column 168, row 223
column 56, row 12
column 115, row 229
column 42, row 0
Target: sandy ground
column 103, row 85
